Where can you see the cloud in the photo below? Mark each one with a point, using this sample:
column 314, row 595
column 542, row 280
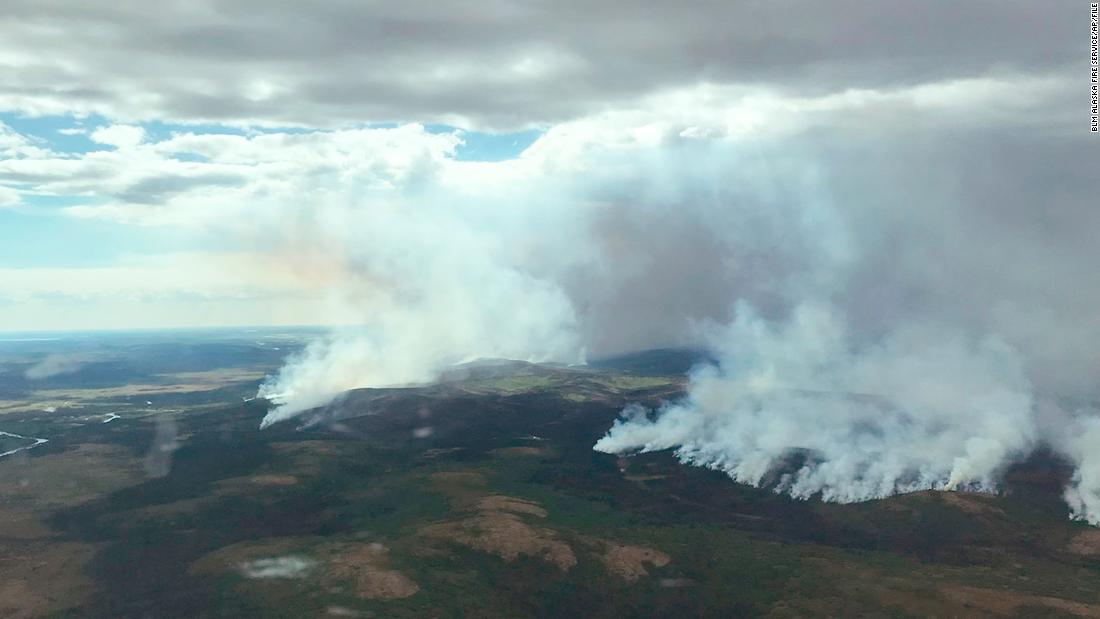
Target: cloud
column 201, row 179
column 14, row 145
column 8, row 197
column 120, row 136
column 196, row 179
column 503, row 65
column 211, row 274
column 197, row 289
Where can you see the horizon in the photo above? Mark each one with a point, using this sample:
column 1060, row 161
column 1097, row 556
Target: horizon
column 842, row 206
column 549, row 308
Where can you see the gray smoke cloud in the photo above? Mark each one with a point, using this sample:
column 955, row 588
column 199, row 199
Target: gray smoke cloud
column 922, row 407
column 890, row 310
column 428, row 286
column 937, row 330
column 500, row 64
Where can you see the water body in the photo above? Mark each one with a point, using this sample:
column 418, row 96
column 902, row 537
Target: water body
column 37, row 442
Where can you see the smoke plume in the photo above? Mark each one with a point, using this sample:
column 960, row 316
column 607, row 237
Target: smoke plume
column 55, row 365
column 920, row 408
column 889, row 311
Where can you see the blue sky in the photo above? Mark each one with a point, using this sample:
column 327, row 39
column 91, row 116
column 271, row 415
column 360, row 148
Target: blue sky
column 96, row 206
column 55, row 133
column 37, row 233
column 166, row 165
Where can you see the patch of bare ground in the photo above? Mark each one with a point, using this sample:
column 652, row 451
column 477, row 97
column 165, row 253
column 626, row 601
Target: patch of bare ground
column 40, row 575
column 68, row 478
column 505, row 535
column 628, row 562
column 21, row 525
column 360, row 567
column 1000, row 602
column 364, row 565
column 1085, row 543
column 244, row 484
column 462, row 488
column 971, row 503
column 510, row 504
column 43, row 578
column 498, row 527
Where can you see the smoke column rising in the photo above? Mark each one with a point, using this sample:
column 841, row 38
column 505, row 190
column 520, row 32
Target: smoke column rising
column 920, row 409
column 440, row 300
column 889, row 312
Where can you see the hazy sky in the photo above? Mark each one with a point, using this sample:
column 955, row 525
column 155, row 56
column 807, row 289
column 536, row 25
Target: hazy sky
column 170, row 163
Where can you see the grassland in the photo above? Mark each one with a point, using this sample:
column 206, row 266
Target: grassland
column 501, row 510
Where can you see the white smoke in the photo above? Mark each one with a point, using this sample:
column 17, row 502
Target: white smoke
column 903, row 309
column 919, row 408
column 55, row 365
column 428, row 288
column 290, row 566
column 498, row 314
column 1082, row 445
column 158, row 460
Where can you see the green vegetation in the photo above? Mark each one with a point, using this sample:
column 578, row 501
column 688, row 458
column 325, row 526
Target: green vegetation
column 512, row 384
column 500, row 510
